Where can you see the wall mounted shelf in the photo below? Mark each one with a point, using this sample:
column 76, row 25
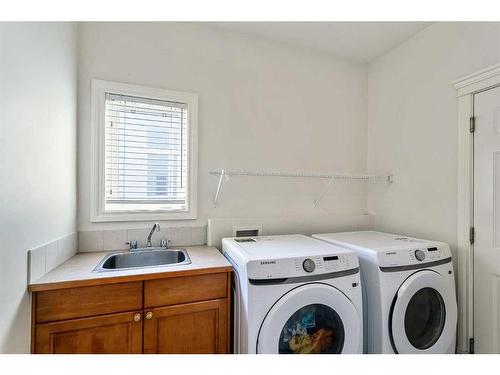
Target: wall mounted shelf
column 225, row 174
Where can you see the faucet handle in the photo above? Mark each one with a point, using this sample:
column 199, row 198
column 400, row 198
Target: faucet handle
column 165, row 243
column 132, row 245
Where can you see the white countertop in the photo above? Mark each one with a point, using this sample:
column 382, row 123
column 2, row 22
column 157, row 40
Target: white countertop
column 79, row 270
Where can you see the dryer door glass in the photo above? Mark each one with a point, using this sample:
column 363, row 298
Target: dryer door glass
column 424, row 318
column 312, row 329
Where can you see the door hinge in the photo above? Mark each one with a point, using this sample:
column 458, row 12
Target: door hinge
column 471, row 345
column 472, row 124
column 472, row 234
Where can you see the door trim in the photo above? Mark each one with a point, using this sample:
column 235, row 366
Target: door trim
column 466, row 88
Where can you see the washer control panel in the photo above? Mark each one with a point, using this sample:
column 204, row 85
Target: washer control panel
column 302, row 266
column 428, row 253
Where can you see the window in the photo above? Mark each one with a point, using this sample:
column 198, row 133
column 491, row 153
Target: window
column 144, row 148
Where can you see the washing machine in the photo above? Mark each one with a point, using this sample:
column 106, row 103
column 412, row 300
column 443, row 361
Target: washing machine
column 294, row 294
column 409, row 292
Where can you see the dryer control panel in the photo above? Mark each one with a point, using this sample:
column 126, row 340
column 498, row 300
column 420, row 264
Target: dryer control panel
column 420, row 254
column 301, row 266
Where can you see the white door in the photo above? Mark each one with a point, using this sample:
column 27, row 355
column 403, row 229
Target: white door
column 311, row 319
column 424, row 315
column 487, row 221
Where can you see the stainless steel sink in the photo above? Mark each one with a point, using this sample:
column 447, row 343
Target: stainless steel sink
column 143, row 258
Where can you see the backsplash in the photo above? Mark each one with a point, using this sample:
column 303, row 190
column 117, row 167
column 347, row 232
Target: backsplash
column 45, row 258
column 304, row 224
column 108, row 240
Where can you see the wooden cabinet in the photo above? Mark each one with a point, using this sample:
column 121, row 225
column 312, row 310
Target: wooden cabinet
column 197, row 328
column 107, row 334
column 177, row 290
column 63, row 304
column 183, row 314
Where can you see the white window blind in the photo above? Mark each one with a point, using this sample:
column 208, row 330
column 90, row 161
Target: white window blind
column 146, row 151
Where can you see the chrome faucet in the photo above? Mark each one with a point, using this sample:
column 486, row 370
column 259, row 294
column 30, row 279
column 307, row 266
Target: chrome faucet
column 156, row 226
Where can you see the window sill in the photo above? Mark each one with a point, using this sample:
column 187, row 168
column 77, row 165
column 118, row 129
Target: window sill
column 142, row 216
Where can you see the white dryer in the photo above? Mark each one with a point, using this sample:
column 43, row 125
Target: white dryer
column 409, row 292
column 294, row 294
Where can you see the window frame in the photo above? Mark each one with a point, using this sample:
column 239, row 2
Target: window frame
column 99, row 88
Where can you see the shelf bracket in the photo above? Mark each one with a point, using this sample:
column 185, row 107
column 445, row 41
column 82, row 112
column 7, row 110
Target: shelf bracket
column 325, row 188
column 219, row 186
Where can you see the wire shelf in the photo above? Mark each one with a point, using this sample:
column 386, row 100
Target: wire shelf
column 225, row 174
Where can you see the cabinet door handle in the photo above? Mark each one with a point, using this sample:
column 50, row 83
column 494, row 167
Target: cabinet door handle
column 137, row 317
column 149, row 315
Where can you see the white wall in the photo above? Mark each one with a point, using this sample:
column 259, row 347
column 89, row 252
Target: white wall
column 38, row 158
column 412, row 125
column 263, row 105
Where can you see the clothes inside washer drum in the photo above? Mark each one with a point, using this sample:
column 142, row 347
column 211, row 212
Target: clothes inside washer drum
column 313, row 329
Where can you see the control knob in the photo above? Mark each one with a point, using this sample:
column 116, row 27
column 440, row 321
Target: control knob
column 308, row 265
column 420, row 255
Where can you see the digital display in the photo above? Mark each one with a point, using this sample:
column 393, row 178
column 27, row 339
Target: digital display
column 326, row 259
column 432, row 249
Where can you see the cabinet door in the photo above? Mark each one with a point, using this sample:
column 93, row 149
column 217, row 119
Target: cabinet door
column 110, row 334
column 192, row 328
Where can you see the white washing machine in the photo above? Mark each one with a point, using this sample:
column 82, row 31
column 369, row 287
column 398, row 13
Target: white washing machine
column 409, row 292
column 294, row 294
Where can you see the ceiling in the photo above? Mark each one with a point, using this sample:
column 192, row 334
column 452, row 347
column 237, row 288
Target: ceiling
column 359, row 42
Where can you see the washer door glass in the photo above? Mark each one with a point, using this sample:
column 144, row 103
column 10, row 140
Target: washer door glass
column 312, row 318
column 424, row 315
column 312, row 329
column 424, row 318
